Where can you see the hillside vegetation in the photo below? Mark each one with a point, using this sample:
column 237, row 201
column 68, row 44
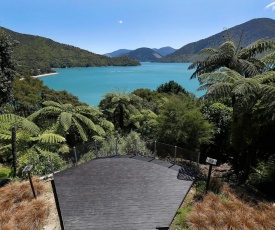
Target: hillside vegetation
column 247, row 32
column 35, row 55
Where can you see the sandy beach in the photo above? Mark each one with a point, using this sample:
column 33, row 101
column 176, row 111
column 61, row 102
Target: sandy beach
column 44, row 75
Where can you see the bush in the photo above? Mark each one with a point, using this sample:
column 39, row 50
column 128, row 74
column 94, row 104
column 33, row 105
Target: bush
column 41, row 162
column 87, row 157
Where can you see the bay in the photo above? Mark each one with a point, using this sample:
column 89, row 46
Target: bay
column 90, row 84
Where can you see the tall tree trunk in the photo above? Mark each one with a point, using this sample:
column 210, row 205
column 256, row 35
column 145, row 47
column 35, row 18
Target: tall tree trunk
column 14, row 149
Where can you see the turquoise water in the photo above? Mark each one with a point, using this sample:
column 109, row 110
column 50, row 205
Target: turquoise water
column 90, row 84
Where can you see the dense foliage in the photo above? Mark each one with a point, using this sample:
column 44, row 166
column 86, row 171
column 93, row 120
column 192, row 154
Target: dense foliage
column 7, row 72
column 35, row 55
column 184, row 124
column 235, row 74
column 171, row 87
column 233, row 122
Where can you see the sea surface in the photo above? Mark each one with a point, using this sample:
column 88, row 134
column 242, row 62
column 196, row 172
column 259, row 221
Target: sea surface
column 90, row 84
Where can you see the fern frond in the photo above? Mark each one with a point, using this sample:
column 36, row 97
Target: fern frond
column 98, row 138
column 228, row 48
column 51, row 138
column 247, row 68
column 44, row 111
column 10, row 118
column 257, row 47
column 266, row 77
column 88, row 122
column 5, row 135
column 80, row 130
column 5, row 148
column 269, row 60
column 67, row 107
column 246, row 87
column 219, row 90
column 65, row 120
column 106, row 124
column 208, row 51
column 52, row 104
column 30, row 127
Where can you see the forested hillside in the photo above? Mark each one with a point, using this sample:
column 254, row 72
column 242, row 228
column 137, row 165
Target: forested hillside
column 35, row 55
column 245, row 33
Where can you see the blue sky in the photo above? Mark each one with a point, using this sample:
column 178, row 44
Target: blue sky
column 103, row 26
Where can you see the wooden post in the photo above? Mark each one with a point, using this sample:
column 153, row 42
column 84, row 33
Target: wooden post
column 211, row 162
column 14, row 155
column 155, row 149
column 96, row 152
column 28, row 169
column 30, row 179
column 57, row 205
column 50, row 156
column 175, row 155
column 116, row 148
column 75, row 156
column 208, row 178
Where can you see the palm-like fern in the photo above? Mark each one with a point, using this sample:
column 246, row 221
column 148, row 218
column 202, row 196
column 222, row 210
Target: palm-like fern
column 9, row 120
column 119, row 107
column 243, row 61
column 28, row 137
column 245, row 91
column 68, row 119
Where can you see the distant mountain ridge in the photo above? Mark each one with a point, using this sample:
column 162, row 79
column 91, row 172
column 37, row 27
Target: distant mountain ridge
column 164, row 51
column 124, row 52
column 253, row 30
column 35, row 55
column 118, row 53
column 143, row 55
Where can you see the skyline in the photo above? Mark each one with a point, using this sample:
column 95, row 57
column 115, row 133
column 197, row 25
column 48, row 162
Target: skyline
column 105, row 26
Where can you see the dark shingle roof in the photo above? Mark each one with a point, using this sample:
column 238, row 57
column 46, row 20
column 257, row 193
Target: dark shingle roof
column 120, row 193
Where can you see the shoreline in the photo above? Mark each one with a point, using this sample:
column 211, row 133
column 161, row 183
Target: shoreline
column 43, row 75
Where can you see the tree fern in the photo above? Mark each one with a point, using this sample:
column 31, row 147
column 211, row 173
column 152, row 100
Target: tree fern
column 20, row 122
column 228, row 55
column 65, row 120
column 80, row 130
column 50, row 138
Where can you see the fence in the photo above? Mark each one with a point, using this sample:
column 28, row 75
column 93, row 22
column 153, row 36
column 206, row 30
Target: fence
column 156, row 149
column 44, row 165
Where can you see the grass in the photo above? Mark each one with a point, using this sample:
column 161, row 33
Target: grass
column 4, row 172
column 19, row 209
column 229, row 209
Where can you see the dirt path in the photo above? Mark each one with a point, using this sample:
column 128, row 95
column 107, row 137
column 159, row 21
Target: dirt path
column 52, row 222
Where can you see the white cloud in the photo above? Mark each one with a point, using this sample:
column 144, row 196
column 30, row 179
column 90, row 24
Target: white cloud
column 120, row 21
column 271, row 6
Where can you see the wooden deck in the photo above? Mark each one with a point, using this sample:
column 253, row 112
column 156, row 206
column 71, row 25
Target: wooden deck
column 120, row 193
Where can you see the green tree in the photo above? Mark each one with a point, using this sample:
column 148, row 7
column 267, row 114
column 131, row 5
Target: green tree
column 7, row 68
column 118, row 107
column 229, row 55
column 27, row 95
column 77, row 123
column 252, row 98
column 184, row 124
column 172, row 88
column 29, row 138
column 220, row 116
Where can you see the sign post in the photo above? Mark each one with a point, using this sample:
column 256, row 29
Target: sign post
column 28, row 169
column 211, row 162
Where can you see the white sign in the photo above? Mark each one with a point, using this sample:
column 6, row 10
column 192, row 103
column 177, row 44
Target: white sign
column 211, row 161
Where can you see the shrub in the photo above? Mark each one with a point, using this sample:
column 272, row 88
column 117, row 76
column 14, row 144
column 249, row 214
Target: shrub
column 41, row 162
